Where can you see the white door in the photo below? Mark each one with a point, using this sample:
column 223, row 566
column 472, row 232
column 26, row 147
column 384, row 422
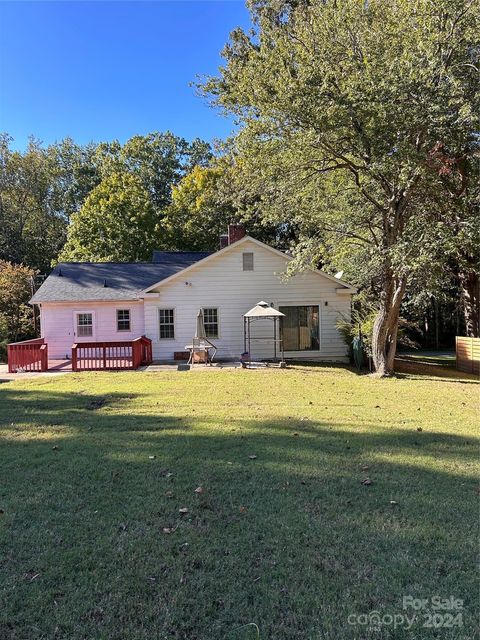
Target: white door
column 84, row 326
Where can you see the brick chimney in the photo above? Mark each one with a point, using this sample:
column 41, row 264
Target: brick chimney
column 235, row 232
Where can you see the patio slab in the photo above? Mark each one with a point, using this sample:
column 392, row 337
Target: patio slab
column 172, row 366
column 5, row 376
column 61, row 367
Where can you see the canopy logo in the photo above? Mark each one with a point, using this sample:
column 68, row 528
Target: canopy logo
column 434, row 612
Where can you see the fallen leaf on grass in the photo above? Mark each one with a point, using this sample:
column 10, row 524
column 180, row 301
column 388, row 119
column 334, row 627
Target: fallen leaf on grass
column 168, row 475
column 366, row 482
column 199, row 490
column 183, row 510
column 169, row 530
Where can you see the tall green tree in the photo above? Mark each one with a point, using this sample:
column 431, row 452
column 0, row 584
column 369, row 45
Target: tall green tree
column 343, row 104
column 74, row 172
column 32, row 229
column 198, row 214
column 206, row 200
column 16, row 316
column 458, row 205
column 159, row 160
column 42, row 188
column 117, row 223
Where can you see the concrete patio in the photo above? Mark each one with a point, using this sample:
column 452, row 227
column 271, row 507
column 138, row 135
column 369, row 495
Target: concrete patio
column 61, row 367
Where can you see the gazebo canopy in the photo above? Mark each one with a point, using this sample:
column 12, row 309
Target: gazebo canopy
column 263, row 310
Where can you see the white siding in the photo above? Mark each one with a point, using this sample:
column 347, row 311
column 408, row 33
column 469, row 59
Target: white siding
column 222, row 283
column 57, row 322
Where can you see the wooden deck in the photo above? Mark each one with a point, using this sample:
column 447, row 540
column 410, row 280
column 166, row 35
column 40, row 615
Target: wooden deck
column 31, row 356
column 60, row 365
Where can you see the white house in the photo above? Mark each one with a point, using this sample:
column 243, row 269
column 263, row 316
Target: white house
column 93, row 302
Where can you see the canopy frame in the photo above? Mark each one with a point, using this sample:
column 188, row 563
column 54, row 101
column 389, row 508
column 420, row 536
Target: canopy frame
column 264, row 311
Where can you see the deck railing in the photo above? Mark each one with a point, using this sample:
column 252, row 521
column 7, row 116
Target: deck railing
column 29, row 355
column 145, row 350
column 98, row 356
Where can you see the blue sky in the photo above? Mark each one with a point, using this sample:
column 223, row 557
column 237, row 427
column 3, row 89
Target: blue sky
column 105, row 70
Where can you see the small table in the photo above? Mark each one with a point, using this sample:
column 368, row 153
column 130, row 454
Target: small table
column 204, row 348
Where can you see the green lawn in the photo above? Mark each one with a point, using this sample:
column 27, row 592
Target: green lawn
column 96, row 467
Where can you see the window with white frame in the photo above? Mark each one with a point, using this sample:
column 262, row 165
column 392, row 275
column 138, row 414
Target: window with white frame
column 210, row 320
column 248, row 261
column 123, row 319
column 84, row 325
column 167, row 324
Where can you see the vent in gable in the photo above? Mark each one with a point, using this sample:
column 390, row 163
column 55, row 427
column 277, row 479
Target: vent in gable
column 248, row 261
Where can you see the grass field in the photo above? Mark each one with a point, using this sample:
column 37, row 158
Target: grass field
column 281, row 533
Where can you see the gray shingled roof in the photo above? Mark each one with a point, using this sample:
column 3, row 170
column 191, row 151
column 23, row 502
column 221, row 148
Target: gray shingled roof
column 72, row 281
column 187, row 256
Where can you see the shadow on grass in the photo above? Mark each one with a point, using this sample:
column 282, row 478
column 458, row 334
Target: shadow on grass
column 283, row 533
column 408, row 368
column 404, row 369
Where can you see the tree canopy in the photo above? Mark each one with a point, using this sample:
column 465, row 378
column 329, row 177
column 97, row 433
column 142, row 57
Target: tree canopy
column 32, row 229
column 43, row 188
column 344, row 106
column 16, row 316
column 198, row 213
column 117, row 223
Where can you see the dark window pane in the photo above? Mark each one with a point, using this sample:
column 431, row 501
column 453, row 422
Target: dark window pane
column 210, row 321
column 301, row 328
column 167, row 328
column 123, row 319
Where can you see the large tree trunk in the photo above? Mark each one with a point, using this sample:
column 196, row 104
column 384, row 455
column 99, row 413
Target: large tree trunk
column 385, row 328
column 470, row 289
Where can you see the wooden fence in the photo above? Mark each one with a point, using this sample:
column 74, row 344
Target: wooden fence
column 98, row 356
column 29, row 355
column 468, row 354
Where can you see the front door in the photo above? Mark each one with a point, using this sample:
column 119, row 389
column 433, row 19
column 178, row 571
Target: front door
column 84, row 326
